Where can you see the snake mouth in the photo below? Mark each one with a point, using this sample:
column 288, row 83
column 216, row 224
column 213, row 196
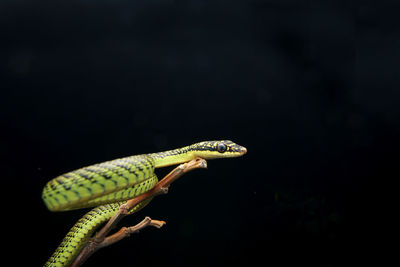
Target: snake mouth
column 239, row 150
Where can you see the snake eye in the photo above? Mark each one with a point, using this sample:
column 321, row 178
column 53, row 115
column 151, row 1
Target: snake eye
column 221, row 147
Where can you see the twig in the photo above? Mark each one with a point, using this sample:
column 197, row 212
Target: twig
column 109, row 240
column 101, row 240
column 127, row 231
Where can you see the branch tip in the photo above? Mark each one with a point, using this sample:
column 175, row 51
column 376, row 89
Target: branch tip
column 164, row 190
column 158, row 224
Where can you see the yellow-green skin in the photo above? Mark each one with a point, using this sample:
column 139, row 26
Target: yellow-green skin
column 107, row 185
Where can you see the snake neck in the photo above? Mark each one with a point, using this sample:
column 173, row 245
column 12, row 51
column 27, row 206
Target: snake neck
column 172, row 157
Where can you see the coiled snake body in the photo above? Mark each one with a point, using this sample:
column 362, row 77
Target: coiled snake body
column 108, row 185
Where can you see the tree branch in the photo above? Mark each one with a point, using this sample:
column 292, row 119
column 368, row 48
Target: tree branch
column 127, row 231
column 101, row 240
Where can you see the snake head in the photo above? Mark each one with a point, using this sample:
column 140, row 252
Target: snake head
column 217, row 149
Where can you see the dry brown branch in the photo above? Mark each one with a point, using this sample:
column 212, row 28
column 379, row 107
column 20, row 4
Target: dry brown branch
column 127, row 231
column 101, row 240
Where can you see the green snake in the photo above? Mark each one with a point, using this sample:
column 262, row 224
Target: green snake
column 106, row 186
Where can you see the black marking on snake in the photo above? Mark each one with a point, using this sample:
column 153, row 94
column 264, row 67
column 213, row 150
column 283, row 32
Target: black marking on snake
column 68, row 175
column 52, row 185
column 140, row 169
column 105, row 174
column 93, row 171
column 116, row 174
column 66, row 186
column 84, row 175
column 97, row 182
column 59, row 180
column 103, row 208
column 58, row 201
column 65, row 197
column 137, row 171
column 97, row 212
column 124, row 167
column 76, row 193
column 88, row 189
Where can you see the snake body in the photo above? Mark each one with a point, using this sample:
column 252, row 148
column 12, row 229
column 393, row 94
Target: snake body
column 107, row 185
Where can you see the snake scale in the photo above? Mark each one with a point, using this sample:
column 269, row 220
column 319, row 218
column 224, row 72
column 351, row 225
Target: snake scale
column 107, row 185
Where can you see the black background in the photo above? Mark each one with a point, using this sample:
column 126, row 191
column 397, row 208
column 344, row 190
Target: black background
column 312, row 91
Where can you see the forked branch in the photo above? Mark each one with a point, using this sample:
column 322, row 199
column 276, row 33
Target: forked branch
column 127, row 231
column 101, row 239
